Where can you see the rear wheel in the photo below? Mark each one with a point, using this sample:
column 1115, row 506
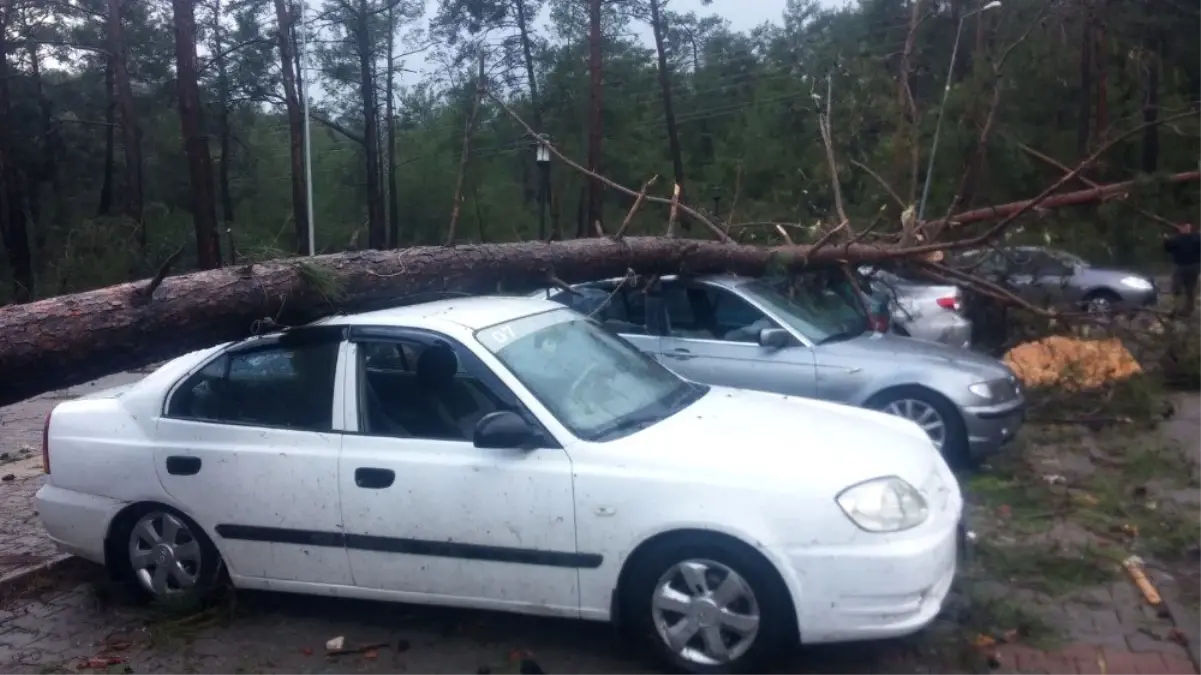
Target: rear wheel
column 166, row 557
column 707, row 606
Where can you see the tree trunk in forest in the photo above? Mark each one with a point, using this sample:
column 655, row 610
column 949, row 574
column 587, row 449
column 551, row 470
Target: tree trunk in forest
column 13, row 218
column 131, row 130
column 390, row 115
column 223, row 169
column 51, row 146
column 105, row 207
column 527, row 53
column 908, row 153
column 200, row 164
column 1084, row 114
column 300, row 209
column 1151, row 105
column 375, row 216
column 1101, row 68
column 595, row 119
column 673, row 139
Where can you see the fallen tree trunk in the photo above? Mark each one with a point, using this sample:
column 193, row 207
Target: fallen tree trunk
column 72, row 339
column 1058, row 201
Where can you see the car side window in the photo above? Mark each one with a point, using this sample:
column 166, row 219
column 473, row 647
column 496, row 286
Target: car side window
column 288, row 387
column 704, row 313
column 619, row 311
column 442, row 393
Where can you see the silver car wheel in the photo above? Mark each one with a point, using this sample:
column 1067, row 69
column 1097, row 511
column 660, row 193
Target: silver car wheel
column 165, row 555
column 705, row 612
column 924, row 415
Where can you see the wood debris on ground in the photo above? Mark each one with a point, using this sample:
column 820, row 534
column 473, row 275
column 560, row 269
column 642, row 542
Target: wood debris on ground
column 1071, row 363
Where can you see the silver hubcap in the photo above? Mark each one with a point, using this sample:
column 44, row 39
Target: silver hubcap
column 922, row 414
column 1099, row 305
column 705, row 612
column 164, row 554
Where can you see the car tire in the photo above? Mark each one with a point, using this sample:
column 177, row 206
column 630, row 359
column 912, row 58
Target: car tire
column 759, row 622
column 1101, row 301
column 955, row 448
column 154, row 536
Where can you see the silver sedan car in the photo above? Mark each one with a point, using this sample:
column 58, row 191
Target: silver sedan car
column 740, row 332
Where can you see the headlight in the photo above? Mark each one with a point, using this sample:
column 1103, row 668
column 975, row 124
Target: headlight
column 886, row 504
column 995, row 390
column 1136, row 283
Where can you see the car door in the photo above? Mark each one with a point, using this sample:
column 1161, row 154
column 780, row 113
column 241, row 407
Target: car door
column 619, row 308
column 246, row 447
column 429, row 515
column 712, row 337
column 1051, row 279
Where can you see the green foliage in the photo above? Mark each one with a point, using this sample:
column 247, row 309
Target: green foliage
column 746, row 108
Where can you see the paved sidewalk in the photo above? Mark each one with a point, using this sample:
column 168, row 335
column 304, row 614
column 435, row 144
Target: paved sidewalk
column 23, row 545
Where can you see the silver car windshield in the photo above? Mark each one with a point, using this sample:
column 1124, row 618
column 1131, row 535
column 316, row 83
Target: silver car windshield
column 820, row 316
column 597, row 385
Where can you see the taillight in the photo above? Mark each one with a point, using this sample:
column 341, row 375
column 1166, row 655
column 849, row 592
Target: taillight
column 46, row 443
column 950, row 302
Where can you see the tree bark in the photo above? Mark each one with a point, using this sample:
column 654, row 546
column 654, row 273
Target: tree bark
column 200, row 164
column 300, row 209
column 131, row 131
column 595, row 119
column 74, row 339
column 1084, row 113
column 1150, row 158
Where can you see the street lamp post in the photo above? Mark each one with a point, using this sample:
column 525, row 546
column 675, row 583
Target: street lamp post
column 542, row 156
column 921, row 207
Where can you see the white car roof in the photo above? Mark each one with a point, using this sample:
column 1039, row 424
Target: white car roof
column 472, row 313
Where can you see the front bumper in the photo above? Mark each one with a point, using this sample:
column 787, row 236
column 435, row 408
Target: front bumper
column 880, row 586
column 992, row 427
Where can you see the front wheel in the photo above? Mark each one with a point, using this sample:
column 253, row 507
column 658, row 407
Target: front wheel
column 938, row 418
column 708, row 607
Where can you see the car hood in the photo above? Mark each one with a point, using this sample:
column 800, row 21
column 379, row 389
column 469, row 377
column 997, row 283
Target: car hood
column 909, row 351
column 763, row 439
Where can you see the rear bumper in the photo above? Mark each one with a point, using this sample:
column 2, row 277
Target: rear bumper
column 990, row 428
column 77, row 522
column 948, row 328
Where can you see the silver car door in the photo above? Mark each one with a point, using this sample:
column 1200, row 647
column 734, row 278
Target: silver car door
column 712, row 337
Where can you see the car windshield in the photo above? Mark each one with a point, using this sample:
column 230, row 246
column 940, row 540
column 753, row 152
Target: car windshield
column 596, row 384
column 822, row 316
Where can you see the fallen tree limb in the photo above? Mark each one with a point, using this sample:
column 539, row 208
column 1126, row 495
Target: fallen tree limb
column 72, row 339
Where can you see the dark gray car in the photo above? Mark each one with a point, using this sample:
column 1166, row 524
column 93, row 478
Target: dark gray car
column 1049, row 277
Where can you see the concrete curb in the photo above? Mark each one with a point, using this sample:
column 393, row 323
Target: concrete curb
column 17, row 581
column 1185, row 621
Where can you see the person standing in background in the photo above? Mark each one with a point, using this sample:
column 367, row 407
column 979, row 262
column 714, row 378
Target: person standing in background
column 1185, row 250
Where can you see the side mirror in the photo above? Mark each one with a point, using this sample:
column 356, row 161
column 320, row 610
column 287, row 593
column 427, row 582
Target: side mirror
column 504, row 430
column 773, row 338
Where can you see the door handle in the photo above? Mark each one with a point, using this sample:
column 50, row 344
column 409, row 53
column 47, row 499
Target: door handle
column 178, row 465
column 373, row 479
column 680, row 353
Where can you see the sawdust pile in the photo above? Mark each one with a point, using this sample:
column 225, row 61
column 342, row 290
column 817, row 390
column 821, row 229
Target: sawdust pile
column 1071, row 363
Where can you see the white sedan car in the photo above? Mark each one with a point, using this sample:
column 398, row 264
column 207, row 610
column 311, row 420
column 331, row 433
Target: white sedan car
column 509, row 454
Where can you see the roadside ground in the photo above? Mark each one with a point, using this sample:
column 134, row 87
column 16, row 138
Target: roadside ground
column 1044, row 591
